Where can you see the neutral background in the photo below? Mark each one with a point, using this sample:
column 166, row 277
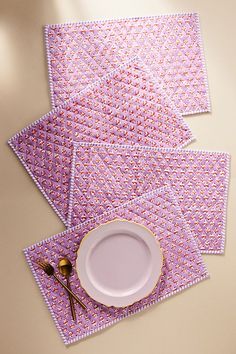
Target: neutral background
column 201, row 320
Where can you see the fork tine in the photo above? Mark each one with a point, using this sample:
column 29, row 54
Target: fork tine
column 49, row 270
column 41, row 264
column 44, row 265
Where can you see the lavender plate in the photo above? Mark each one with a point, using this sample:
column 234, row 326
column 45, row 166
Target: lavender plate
column 119, row 263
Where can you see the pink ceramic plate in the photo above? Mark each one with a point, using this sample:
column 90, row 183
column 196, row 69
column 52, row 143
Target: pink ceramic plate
column 119, row 263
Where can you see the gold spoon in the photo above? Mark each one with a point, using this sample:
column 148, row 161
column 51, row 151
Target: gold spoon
column 65, row 268
column 49, row 270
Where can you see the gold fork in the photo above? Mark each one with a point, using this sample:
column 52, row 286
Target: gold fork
column 49, row 270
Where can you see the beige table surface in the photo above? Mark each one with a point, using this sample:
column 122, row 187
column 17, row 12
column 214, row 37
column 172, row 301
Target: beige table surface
column 201, row 320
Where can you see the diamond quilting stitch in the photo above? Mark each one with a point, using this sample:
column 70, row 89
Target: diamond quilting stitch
column 115, row 174
column 127, row 107
column 171, row 45
column 183, row 265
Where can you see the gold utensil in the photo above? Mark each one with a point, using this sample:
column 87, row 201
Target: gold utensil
column 49, row 270
column 65, row 268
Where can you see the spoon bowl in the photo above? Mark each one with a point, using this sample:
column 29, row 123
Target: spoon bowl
column 65, row 268
column 49, row 270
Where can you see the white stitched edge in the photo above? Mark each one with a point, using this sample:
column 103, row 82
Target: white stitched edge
column 149, row 148
column 186, row 226
column 187, row 142
column 138, row 62
column 58, row 25
column 48, row 58
column 89, row 88
column 72, row 99
column 171, row 104
column 77, row 95
column 37, row 183
column 71, row 190
column 195, row 112
column 44, row 295
column 144, row 196
column 139, row 147
column 98, row 217
column 55, row 110
column 203, row 277
column 203, row 60
column 225, row 204
column 138, row 310
column 48, row 26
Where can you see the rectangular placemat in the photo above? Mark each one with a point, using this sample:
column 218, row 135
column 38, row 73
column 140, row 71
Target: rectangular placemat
column 183, row 265
column 126, row 106
column 104, row 176
column 80, row 53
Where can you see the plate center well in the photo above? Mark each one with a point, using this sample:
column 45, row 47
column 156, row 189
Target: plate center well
column 120, row 264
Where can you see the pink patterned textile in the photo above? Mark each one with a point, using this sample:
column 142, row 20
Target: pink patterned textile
column 183, row 265
column 171, row 45
column 104, row 176
column 125, row 107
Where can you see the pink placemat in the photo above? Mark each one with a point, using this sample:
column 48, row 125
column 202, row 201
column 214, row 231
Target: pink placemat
column 126, row 107
column 183, row 265
column 80, row 53
column 104, row 176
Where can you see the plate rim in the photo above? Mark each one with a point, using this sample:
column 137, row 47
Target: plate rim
column 77, row 269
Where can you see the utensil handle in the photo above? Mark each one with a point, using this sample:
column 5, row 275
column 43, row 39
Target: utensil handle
column 72, row 306
column 70, row 292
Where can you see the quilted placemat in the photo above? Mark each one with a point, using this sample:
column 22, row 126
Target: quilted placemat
column 80, row 53
column 126, row 107
column 183, row 265
column 104, row 176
